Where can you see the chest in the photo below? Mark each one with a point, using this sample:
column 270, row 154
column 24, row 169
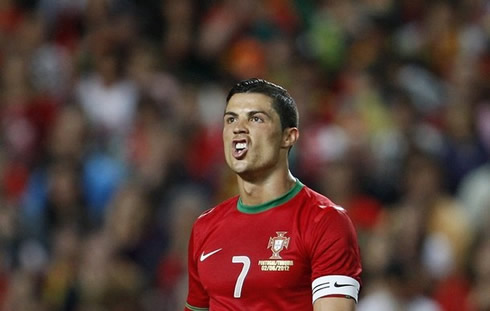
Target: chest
column 251, row 255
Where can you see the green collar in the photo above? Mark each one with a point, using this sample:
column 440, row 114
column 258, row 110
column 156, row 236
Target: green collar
column 254, row 209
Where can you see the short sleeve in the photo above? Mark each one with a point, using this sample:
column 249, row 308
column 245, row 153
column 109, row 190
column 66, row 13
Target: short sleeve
column 335, row 257
column 197, row 297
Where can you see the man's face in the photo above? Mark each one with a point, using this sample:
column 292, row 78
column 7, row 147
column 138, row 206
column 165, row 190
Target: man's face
column 252, row 134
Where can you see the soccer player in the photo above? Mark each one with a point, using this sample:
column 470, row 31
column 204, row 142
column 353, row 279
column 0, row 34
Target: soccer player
column 278, row 245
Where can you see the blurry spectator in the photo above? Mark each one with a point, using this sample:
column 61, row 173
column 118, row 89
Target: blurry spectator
column 436, row 215
column 431, row 230
column 407, row 132
column 185, row 205
column 104, row 91
column 54, row 199
column 22, row 292
column 69, row 138
column 463, row 149
column 64, row 202
column 177, row 42
column 19, row 129
column 480, row 269
column 90, row 180
column 147, row 71
column 246, row 58
column 205, row 137
column 107, row 98
column 108, row 281
column 132, row 229
column 338, row 179
column 60, row 280
column 482, row 112
column 155, row 150
column 220, row 24
column 473, row 193
column 326, row 37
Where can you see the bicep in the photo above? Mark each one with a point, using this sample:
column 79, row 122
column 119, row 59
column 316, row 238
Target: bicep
column 335, row 258
column 334, row 304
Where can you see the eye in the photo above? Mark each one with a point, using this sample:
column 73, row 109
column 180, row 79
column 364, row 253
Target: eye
column 256, row 119
column 230, row 119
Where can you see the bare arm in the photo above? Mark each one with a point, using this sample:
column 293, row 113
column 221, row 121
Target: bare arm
column 334, row 304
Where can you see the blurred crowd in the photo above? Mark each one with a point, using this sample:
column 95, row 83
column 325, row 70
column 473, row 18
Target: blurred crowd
column 110, row 141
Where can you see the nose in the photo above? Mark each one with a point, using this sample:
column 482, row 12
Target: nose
column 240, row 127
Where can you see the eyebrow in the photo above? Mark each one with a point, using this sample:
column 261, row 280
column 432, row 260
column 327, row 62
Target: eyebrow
column 250, row 113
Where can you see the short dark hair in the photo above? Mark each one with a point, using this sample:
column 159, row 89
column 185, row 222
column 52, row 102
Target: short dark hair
column 282, row 102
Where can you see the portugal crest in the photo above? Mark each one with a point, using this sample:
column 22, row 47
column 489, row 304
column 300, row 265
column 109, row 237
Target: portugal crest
column 278, row 243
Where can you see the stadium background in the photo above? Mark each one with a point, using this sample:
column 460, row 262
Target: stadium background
column 110, row 141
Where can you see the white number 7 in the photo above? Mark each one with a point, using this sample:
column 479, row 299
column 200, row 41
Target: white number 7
column 241, row 278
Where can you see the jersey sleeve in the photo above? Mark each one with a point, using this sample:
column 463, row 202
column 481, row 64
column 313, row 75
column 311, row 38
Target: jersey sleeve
column 334, row 250
column 197, row 297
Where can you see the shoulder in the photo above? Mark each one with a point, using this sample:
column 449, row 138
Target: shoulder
column 213, row 218
column 317, row 203
column 217, row 212
column 320, row 216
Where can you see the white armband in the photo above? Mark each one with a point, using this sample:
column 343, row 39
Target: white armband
column 335, row 285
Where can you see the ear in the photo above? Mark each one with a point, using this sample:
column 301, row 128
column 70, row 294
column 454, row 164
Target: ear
column 289, row 137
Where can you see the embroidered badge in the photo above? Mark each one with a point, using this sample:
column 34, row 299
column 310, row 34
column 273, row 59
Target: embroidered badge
column 277, row 244
column 275, row 262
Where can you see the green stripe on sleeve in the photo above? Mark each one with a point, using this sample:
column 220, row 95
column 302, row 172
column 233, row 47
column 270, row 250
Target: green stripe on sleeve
column 188, row 306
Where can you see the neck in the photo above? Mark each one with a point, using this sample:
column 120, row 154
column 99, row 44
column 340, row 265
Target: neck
column 263, row 190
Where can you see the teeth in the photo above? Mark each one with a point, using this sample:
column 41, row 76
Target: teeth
column 241, row 145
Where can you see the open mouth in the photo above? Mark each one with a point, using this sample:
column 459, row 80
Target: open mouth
column 240, row 148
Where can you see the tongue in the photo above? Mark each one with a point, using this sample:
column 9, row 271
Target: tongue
column 237, row 153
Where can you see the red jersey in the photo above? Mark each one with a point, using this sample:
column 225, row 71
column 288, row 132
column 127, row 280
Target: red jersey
column 280, row 255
